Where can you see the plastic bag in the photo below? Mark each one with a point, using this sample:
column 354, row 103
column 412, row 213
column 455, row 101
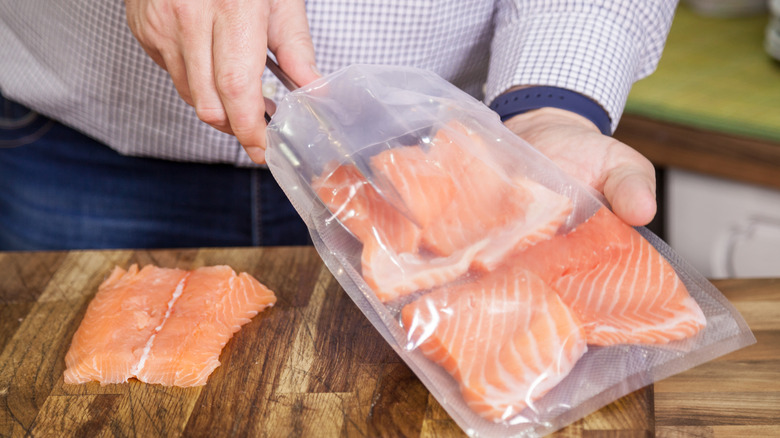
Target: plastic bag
column 511, row 290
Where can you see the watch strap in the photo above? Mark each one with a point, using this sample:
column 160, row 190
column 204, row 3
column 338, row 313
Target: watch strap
column 531, row 98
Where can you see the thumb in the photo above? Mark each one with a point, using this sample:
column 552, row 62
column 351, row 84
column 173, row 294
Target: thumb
column 631, row 193
column 290, row 41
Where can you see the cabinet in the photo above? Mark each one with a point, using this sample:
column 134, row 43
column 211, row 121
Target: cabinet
column 724, row 228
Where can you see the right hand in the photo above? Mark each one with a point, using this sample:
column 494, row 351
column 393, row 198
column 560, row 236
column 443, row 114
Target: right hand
column 215, row 52
column 620, row 173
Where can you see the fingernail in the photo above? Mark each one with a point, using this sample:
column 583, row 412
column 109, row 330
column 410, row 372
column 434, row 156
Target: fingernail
column 270, row 106
column 315, row 70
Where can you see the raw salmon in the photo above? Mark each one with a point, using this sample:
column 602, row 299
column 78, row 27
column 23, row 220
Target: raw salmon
column 162, row 325
column 390, row 261
column 506, row 302
column 622, row 288
column 507, row 338
column 460, row 200
column 425, row 187
column 462, row 213
column 486, row 204
column 363, row 211
column 392, row 275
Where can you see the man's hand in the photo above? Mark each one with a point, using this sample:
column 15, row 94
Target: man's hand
column 215, row 52
column 623, row 175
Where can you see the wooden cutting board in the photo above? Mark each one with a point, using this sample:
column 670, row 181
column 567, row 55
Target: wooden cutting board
column 314, row 366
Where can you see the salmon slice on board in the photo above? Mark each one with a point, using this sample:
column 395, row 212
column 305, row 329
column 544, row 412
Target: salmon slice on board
column 622, row 289
column 213, row 305
column 119, row 321
column 162, row 325
column 507, row 338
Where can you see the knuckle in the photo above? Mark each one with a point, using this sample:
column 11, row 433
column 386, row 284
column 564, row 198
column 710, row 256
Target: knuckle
column 301, row 38
column 212, row 115
column 233, row 82
column 247, row 133
column 183, row 11
column 228, row 5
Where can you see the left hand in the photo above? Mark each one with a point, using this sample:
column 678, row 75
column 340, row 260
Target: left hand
column 623, row 175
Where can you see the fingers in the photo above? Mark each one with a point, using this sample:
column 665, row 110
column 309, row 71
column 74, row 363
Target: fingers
column 290, row 41
column 630, row 190
column 215, row 54
column 238, row 52
column 196, row 46
column 623, row 175
column 156, row 26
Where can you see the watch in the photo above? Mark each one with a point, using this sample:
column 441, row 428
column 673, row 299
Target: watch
column 531, row 98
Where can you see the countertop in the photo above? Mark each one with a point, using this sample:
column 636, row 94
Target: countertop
column 314, row 366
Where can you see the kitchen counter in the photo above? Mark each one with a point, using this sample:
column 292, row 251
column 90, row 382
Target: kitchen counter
column 314, row 366
column 712, row 105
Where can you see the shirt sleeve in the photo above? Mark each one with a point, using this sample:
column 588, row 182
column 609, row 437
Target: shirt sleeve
column 596, row 48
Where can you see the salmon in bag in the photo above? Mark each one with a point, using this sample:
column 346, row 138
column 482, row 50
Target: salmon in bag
column 511, row 290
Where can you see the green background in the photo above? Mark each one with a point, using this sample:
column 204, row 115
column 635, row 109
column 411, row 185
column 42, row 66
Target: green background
column 714, row 74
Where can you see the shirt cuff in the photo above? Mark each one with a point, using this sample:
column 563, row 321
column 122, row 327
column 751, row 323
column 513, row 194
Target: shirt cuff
column 586, row 52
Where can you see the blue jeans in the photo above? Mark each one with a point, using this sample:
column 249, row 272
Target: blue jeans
column 60, row 189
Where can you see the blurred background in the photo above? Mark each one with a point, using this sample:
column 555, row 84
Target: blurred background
column 709, row 119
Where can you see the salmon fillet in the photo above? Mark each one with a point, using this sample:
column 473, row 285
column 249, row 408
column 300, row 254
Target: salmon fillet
column 617, row 283
column 509, row 302
column 391, row 265
column 462, row 213
column 483, row 200
column 423, row 185
column 161, row 325
column 363, row 211
column 507, row 338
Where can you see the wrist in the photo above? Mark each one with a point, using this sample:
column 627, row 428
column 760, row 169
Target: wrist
column 549, row 117
column 521, row 100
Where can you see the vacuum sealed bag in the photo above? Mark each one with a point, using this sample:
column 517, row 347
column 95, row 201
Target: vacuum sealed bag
column 511, row 290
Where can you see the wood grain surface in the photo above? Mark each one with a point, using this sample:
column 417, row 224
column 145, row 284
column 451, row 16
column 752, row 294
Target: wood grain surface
column 314, row 366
